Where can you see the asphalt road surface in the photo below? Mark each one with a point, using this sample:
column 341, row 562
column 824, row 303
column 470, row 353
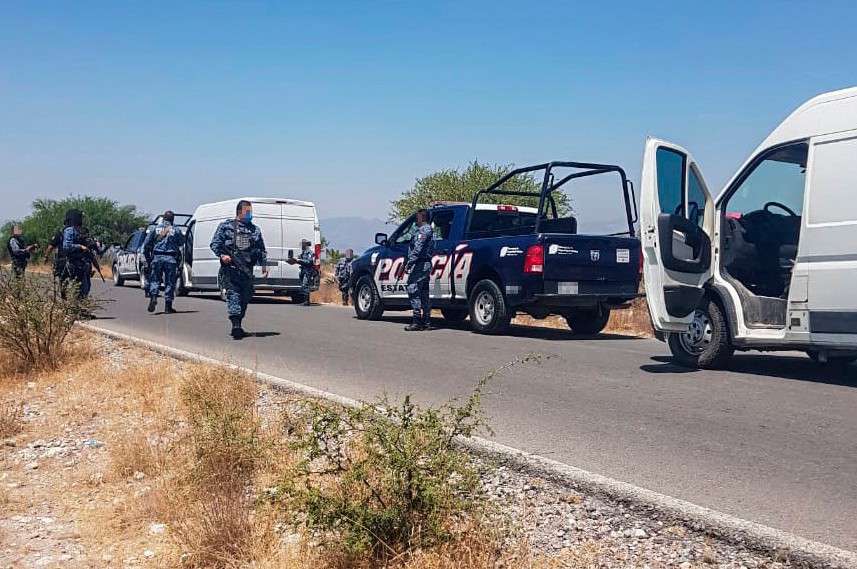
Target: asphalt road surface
column 772, row 440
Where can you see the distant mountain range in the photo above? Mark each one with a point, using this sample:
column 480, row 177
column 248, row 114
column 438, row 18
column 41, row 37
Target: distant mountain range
column 353, row 232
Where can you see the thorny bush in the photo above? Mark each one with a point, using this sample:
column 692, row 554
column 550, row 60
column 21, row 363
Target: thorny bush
column 36, row 317
column 384, row 479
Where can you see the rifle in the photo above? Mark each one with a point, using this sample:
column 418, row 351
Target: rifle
column 90, row 255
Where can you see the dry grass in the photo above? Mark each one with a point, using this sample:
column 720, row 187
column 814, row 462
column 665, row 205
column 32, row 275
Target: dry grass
column 11, row 415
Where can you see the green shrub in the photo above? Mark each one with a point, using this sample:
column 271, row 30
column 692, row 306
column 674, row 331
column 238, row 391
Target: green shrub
column 384, row 478
column 35, row 318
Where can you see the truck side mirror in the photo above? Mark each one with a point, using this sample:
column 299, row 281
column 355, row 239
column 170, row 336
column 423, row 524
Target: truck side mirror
column 380, row 239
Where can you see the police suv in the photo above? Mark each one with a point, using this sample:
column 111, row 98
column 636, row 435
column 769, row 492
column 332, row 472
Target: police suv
column 492, row 261
column 128, row 260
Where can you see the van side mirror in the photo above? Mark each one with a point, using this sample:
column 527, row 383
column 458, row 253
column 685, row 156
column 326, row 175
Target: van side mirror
column 380, row 239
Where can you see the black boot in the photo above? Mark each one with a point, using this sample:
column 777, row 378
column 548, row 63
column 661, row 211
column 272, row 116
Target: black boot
column 168, row 308
column 153, row 302
column 427, row 323
column 237, row 331
column 415, row 326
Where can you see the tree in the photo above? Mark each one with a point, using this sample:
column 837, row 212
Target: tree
column 462, row 185
column 105, row 218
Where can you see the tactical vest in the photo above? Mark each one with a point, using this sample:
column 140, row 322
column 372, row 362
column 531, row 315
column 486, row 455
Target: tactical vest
column 242, row 243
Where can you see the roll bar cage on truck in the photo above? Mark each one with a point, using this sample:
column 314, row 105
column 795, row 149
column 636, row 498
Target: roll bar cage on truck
column 494, row 260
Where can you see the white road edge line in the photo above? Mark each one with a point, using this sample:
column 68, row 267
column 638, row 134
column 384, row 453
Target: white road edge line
column 731, row 529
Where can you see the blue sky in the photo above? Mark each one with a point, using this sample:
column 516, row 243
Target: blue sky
column 345, row 103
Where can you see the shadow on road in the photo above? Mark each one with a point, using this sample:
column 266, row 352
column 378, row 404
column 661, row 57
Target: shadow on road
column 516, row 331
column 777, row 366
column 262, row 334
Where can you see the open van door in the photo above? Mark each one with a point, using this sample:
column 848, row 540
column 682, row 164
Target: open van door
column 676, row 221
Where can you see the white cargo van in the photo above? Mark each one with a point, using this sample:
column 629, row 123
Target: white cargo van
column 771, row 263
column 283, row 222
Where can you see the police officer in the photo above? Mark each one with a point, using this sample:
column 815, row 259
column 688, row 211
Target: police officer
column 146, row 266
column 418, row 267
column 163, row 246
column 60, row 274
column 78, row 266
column 239, row 245
column 18, row 252
column 343, row 274
column 307, row 275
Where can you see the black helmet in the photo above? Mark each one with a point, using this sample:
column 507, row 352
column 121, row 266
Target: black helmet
column 74, row 218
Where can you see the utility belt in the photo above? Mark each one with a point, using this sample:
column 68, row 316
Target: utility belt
column 173, row 254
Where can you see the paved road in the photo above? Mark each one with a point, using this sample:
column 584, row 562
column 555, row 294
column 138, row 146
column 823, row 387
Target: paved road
column 773, row 440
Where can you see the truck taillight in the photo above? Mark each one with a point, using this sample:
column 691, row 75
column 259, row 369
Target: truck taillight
column 534, row 260
column 317, row 255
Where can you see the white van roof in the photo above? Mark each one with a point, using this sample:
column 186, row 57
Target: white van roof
column 226, row 208
column 827, row 113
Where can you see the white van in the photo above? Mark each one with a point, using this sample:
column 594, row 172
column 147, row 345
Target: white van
column 771, row 263
column 283, row 222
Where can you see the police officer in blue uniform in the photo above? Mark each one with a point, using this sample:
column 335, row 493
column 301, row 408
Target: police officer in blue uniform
column 19, row 252
column 306, row 260
column 418, row 267
column 78, row 266
column 163, row 246
column 240, row 246
column 343, row 275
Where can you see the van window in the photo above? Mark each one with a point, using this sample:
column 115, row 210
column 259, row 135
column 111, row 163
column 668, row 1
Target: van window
column 670, row 180
column 832, row 182
column 777, row 180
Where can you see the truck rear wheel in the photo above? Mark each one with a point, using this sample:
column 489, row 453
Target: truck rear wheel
column 367, row 301
column 454, row 314
column 488, row 311
column 706, row 343
column 590, row 321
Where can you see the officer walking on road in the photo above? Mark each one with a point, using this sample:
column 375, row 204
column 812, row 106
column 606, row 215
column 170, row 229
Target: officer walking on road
column 307, row 275
column 343, row 275
column 19, row 252
column 78, row 266
column 163, row 247
column 418, row 267
column 240, row 247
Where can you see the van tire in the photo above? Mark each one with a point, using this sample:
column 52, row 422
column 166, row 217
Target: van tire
column 117, row 276
column 454, row 314
column 367, row 301
column 588, row 322
column 488, row 311
column 706, row 344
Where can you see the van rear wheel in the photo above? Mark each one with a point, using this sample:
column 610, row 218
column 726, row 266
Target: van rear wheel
column 705, row 344
column 367, row 301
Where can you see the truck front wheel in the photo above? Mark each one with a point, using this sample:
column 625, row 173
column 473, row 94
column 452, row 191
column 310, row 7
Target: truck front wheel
column 367, row 301
column 705, row 344
column 588, row 321
column 488, row 311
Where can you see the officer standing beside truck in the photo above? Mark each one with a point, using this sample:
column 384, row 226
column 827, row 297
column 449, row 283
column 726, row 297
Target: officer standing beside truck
column 343, row 275
column 418, row 267
column 240, row 246
column 163, row 246
column 306, row 260
column 78, row 266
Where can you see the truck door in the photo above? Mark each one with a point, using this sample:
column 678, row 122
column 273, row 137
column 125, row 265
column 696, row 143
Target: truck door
column 392, row 258
column 676, row 220
column 439, row 285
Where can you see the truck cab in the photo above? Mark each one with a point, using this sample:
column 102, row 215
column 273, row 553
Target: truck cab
column 494, row 260
column 769, row 264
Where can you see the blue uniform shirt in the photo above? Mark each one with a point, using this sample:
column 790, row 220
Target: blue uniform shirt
column 421, row 248
column 169, row 244
column 72, row 238
column 223, row 243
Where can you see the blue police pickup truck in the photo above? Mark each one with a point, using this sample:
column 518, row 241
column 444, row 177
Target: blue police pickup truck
column 493, row 260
